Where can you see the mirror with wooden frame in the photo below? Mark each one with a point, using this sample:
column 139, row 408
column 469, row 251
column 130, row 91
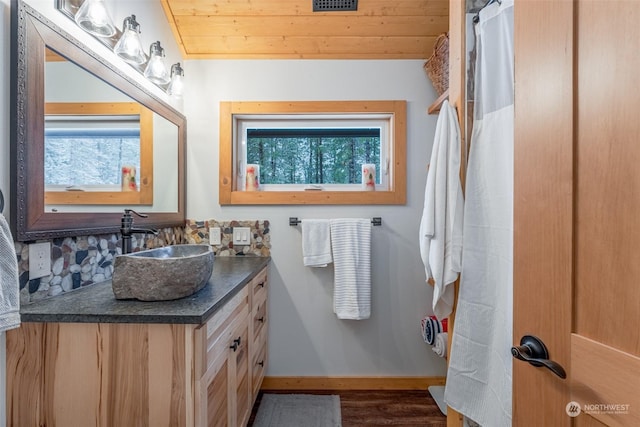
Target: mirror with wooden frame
column 58, row 87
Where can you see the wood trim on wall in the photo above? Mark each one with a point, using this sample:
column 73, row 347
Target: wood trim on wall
column 457, row 98
column 396, row 195
column 350, row 383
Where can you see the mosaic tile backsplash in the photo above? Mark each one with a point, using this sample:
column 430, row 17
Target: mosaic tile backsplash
column 85, row 260
column 82, row 261
column 198, row 232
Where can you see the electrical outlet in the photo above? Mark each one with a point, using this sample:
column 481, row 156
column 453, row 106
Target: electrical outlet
column 241, row 236
column 214, row 236
column 39, row 260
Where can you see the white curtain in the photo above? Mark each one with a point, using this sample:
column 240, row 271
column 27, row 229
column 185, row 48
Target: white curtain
column 479, row 374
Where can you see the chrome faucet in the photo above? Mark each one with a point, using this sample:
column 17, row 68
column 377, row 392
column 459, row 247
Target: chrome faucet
column 127, row 229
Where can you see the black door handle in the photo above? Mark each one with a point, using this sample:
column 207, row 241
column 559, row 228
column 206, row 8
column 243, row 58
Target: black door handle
column 533, row 350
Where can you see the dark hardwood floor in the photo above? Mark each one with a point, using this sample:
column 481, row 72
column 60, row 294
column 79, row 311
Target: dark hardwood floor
column 380, row 408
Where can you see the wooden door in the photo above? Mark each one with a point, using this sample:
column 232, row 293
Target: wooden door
column 577, row 210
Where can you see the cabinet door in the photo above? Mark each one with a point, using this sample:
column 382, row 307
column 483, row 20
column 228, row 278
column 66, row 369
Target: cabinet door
column 214, row 407
column 225, row 388
column 239, row 382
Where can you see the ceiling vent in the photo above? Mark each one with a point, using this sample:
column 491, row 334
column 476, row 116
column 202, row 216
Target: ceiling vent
column 334, row 5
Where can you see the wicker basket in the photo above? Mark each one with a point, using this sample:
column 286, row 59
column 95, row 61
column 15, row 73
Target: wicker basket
column 437, row 66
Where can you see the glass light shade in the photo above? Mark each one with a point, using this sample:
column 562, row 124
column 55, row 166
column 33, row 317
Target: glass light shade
column 176, row 87
column 94, row 18
column 129, row 47
column 156, row 71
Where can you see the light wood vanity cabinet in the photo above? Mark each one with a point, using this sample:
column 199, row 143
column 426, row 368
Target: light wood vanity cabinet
column 231, row 356
column 145, row 374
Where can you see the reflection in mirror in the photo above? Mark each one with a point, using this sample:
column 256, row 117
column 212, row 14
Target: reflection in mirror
column 99, row 145
column 98, row 141
column 97, row 152
column 80, row 103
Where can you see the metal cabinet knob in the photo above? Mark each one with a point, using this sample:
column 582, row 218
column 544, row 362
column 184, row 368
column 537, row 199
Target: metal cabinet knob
column 236, row 343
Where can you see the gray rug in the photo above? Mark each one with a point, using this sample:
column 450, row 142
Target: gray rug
column 298, row 410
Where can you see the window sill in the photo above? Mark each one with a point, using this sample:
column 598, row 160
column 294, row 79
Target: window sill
column 143, row 197
column 315, row 198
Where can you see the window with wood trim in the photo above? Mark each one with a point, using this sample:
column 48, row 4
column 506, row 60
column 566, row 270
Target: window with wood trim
column 313, row 152
column 98, row 141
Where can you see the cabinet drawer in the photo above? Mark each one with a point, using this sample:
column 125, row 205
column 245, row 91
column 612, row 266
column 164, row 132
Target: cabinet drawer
column 260, row 334
column 259, row 318
column 259, row 365
column 219, row 328
column 258, row 287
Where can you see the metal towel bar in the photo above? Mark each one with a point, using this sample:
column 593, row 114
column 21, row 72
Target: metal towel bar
column 293, row 221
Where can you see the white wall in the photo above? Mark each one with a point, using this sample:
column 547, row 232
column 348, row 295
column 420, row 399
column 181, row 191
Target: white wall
column 306, row 338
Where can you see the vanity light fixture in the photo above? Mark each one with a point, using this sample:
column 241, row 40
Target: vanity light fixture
column 94, row 18
column 176, row 87
column 129, row 47
column 156, row 71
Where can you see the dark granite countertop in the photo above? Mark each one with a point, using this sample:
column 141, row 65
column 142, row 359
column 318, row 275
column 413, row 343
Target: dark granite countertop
column 97, row 304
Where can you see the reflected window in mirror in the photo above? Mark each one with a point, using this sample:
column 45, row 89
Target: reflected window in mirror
column 83, row 155
column 98, row 154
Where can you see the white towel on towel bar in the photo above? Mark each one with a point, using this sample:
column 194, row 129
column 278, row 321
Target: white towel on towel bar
column 316, row 243
column 351, row 245
column 9, row 285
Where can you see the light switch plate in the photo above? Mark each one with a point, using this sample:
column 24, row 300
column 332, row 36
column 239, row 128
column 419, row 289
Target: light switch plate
column 214, row 236
column 39, row 260
column 241, row 236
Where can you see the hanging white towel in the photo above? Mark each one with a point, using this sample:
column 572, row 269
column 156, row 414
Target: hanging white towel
column 316, row 242
column 351, row 246
column 441, row 224
column 9, row 285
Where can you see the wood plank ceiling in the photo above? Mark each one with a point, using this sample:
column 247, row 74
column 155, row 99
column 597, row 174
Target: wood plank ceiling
column 379, row 29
